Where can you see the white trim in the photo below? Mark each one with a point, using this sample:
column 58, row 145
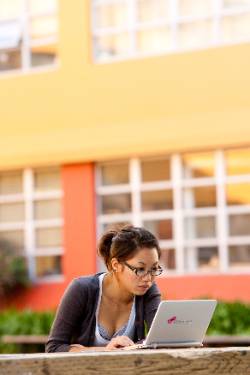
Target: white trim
column 113, row 189
column 199, row 182
column 113, row 218
column 199, row 212
column 178, row 230
column 48, row 223
column 11, row 226
column 135, row 181
column 222, row 227
column 157, row 215
column 50, row 251
column 238, row 240
column 233, row 210
column 11, row 198
column 47, row 195
column 158, row 185
column 29, row 234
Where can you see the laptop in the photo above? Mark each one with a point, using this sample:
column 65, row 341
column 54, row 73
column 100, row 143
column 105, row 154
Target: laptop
column 179, row 324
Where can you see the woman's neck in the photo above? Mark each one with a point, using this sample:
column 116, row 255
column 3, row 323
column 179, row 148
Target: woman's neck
column 114, row 292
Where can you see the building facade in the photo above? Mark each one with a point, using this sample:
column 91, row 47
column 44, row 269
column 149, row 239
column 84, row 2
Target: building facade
column 127, row 111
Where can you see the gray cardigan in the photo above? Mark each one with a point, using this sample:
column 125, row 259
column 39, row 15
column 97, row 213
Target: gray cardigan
column 75, row 318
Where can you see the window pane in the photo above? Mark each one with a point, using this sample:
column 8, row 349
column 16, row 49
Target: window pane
column 116, row 203
column 10, row 8
column 111, row 15
column 11, row 183
column 10, row 59
column 162, row 229
column 113, row 174
column 114, row 226
column 208, row 258
column 235, row 27
column 48, row 265
column 198, row 165
column 199, row 197
column 195, row 8
column 157, row 200
column 227, row 4
column 155, row 170
column 112, row 45
column 154, row 40
column 11, row 212
column 48, row 209
column 47, row 179
column 15, row 237
column 239, row 225
column 42, row 27
column 238, row 194
column 168, row 259
column 201, row 259
column 43, row 55
column 38, row 6
column 48, row 237
column 195, row 34
column 200, row 227
column 239, row 256
column 151, row 10
column 238, row 161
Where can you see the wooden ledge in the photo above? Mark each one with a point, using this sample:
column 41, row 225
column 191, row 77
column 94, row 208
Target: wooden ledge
column 200, row 361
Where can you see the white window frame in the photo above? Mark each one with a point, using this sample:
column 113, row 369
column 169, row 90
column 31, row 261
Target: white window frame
column 174, row 21
column 30, row 224
column 222, row 239
column 25, row 19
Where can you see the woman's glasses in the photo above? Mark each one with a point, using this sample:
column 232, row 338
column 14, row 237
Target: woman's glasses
column 141, row 272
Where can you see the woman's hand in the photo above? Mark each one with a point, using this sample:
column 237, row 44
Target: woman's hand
column 76, row 348
column 119, row 342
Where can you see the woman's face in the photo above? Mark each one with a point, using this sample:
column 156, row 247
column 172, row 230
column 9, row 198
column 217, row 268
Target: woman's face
column 144, row 260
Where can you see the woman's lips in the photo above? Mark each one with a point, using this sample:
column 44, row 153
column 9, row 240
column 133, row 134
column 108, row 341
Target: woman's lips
column 143, row 286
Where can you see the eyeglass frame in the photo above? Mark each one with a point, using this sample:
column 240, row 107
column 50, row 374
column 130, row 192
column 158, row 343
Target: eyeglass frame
column 136, row 269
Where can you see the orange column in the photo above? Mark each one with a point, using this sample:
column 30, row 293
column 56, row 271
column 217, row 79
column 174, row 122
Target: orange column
column 79, row 220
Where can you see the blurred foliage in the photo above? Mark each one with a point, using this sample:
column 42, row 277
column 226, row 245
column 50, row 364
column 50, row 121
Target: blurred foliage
column 230, row 318
column 24, row 322
column 13, row 268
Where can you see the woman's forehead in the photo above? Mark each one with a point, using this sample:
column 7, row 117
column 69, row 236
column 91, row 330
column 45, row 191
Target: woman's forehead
column 146, row 255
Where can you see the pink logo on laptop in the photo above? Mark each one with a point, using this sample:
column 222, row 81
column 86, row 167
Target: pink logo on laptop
column 172, row 320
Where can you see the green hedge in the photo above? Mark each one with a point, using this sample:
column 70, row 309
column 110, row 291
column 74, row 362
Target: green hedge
column 25, row 322
column 229, row 319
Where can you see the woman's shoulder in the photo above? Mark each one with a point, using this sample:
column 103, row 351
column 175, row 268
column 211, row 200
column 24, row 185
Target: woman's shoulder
column 85, row 283
column 88, row 280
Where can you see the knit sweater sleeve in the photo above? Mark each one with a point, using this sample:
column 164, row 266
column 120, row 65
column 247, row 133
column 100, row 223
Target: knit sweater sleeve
column 152, row 302
column 70, row 309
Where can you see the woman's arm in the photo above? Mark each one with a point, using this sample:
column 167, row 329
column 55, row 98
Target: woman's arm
column 118, row 342
column 70, row 309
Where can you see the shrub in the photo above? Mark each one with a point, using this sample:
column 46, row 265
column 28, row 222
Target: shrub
column 13, row 269
column 230, row 318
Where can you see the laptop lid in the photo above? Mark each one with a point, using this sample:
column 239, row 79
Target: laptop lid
column 181, row 322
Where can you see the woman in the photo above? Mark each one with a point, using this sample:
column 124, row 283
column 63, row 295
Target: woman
column 112, row 309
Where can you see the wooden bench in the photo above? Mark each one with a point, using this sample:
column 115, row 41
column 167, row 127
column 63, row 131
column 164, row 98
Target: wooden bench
column 199, row 361
column 24, row 339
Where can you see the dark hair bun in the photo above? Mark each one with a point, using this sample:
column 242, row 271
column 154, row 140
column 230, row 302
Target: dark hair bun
column 104, row 247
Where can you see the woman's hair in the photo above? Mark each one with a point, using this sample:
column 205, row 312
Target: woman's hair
column 124, row 243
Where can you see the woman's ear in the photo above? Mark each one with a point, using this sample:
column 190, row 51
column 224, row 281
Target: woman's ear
column 115, row 265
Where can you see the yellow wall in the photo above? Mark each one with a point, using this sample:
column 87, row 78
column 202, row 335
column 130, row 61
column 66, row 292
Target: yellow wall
column 81, row 111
